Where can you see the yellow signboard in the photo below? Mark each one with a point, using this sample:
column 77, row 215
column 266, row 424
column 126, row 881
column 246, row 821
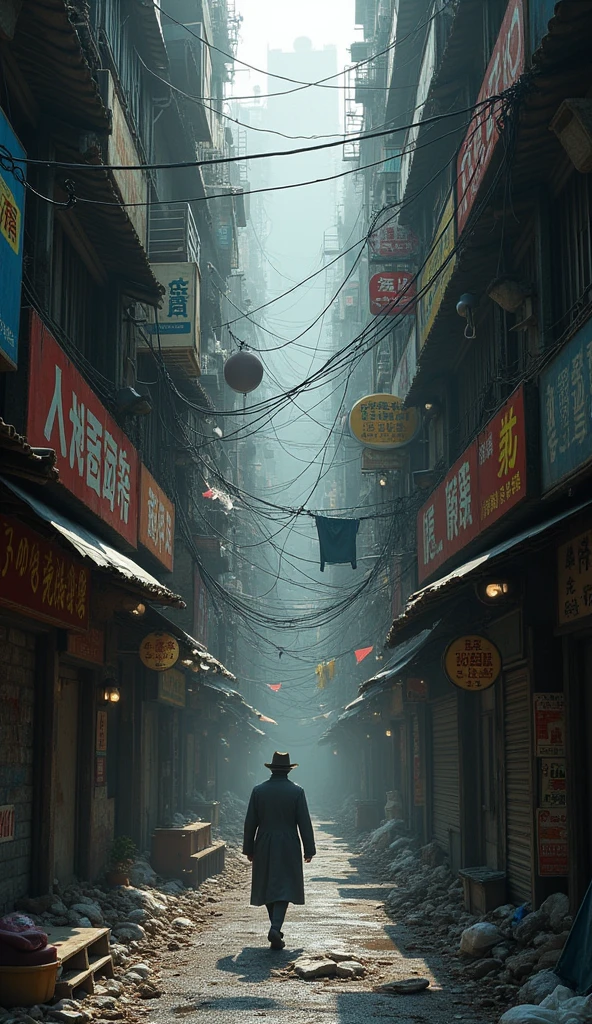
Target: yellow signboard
column 380, row 421
column 472, row 662
column 437, row 271
column 159, row 651
column 574, row 579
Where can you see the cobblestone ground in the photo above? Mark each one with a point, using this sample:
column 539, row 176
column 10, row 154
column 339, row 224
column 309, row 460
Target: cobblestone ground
column 230, row 974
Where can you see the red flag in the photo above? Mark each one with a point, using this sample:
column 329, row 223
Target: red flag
column 275, row 686
column 362, row 653
column 208, row 494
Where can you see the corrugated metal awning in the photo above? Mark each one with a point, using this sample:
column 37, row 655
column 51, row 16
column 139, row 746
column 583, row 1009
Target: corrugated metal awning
column 422, row 600
column 405, row 654
column 97, row 551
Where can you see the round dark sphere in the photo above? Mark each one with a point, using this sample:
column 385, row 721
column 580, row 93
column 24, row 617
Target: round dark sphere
column 243, row 372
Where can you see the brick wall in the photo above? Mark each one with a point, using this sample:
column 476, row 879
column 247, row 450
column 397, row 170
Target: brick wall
column 17, row 671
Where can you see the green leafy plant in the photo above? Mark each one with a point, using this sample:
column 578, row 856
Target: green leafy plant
column 122, row 854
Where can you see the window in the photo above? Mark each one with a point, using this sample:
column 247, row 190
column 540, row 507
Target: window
column 572, row 248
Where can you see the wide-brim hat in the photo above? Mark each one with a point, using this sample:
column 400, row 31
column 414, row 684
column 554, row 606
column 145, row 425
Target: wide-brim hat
column 281, row 762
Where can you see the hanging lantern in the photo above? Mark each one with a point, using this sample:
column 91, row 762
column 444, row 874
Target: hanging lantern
column 243, row 372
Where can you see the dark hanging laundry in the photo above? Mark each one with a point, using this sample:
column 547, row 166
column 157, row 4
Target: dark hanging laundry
column 337, row 541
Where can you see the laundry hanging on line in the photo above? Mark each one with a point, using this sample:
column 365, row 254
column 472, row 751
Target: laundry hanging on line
column 337, row 541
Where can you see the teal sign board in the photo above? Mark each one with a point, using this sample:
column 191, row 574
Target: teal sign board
column 566, row 410
column 12, row 217
column 540, row 13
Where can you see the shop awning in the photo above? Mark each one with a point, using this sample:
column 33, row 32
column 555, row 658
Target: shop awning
column 404, row 655
column 97, row 551
column 420, row 602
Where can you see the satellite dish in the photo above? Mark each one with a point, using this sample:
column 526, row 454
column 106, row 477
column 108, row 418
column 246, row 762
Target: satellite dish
column 243, row 372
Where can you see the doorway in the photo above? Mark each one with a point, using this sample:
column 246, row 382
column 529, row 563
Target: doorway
column 489, row 781
column 66, row 777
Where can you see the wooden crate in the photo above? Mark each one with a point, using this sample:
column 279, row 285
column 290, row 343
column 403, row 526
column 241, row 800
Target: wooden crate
column 173, row 848
column 207, row 863
column 84, row 954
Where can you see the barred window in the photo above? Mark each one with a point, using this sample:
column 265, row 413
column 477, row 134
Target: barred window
column 572, row 251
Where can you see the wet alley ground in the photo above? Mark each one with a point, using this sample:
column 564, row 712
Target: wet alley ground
column 229, row 973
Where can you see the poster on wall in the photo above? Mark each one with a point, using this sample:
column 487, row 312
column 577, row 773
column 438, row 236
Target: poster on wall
column 553, row 782
column 552, row 841
column 549, row 724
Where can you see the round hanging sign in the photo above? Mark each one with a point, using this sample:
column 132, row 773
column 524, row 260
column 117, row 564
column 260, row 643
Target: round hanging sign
column 472, row 662
column 159, row 651
column 381, row 421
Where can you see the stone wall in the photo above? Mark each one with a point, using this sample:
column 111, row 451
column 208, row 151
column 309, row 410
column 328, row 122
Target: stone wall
column 17, row 680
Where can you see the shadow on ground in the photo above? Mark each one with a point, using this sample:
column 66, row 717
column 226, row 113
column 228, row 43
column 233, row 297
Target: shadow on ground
column 255, row 964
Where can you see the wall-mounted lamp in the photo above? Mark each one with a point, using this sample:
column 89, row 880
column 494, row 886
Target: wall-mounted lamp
column 465, row 307
column 431, row 409
column 494, row 591
column 382, row 480
column 109, row 692
column 388, row 733
column 133, row 606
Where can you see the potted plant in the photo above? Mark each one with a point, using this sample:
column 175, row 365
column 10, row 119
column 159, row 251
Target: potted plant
column 121, row 857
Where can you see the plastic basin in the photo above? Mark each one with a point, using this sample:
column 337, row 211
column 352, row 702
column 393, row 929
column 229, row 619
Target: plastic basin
column 27, row 986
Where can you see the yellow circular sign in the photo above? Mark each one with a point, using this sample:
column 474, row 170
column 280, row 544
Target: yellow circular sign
column 380, row 421
column 472, row 662
column 159, row 651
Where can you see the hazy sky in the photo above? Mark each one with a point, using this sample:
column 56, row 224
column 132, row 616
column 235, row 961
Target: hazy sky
column 275, row 24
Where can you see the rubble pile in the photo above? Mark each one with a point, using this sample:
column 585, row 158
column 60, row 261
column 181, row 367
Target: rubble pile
column 232, row 818
column 146, row 918
column 506, row 956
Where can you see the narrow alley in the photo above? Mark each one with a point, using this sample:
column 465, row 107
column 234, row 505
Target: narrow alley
column 229, row 973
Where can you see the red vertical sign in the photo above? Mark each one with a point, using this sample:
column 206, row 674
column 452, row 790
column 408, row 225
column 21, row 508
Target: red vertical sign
column 502, row 461
column 450, row 517
column 504, row 68
column 97, row 462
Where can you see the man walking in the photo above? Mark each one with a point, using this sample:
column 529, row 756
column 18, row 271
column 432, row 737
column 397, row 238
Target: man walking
column 277, row 812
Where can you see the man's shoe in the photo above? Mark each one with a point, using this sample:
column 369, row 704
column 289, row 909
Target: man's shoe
column 275, row 938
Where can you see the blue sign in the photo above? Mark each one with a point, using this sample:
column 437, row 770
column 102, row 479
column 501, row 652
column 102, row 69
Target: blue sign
column 566, row 410
column 540, row 13
column 12, row 219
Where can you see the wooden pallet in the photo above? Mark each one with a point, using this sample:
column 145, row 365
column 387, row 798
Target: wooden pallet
column 172, row 848
column 85, row 955
column 207, row 863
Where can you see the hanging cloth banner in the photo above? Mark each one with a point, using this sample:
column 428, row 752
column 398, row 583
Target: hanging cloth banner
column 275, row 687
column 362, row 653
column 331, row 668
column 337, row 541
column 320, row 674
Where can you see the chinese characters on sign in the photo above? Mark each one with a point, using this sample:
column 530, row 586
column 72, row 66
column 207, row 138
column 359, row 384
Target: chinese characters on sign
column 156, row 530
column 87, row 646
column 101, row 742
column 159, row 651
column 437, row 272
column 122, row 152
column 180, row 306
column 553, row 783
column 552, row 841
column 488, row 481
column 392, row 293
column 450, row 517
column 504, row 68
column 12, row 209
column 472, row 662
column 7, row 823
column 392, row 241
column 574, row 579
column 380, row 421
column 502, row 461
column 97, row 462
column 566, row 409
column 171, row 687
column 39, row 578
column 549, row 724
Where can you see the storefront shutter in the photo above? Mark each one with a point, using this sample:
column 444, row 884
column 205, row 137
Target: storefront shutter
column 518, row 768
column 445, row 771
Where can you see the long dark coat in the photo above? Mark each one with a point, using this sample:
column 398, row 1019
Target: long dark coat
column 277, row 813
